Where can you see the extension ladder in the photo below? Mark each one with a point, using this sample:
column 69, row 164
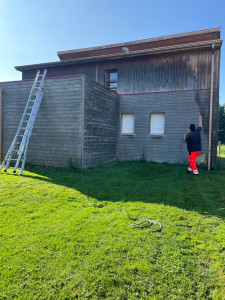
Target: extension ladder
column 17, row 152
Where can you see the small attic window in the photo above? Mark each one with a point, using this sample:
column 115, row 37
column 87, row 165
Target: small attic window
column 111, row 79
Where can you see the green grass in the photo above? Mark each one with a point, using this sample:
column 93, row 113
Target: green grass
column 221, row 158
column 57, row 244
column 222, row 153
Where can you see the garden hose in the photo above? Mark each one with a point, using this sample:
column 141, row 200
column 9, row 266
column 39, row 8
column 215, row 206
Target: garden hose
column 144, row 222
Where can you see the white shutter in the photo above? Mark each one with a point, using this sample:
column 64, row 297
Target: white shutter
column 157, row 123
column 127, row 123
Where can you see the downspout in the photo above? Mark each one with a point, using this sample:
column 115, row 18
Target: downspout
column 1, row 113
column 82, row 124
column 210, row 108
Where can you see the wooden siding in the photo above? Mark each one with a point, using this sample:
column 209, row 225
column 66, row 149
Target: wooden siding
column 101, row 124
column 56, row 135
column 152, row 73
column 88, row 70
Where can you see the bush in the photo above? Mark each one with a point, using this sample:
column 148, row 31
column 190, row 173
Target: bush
column 221, row 124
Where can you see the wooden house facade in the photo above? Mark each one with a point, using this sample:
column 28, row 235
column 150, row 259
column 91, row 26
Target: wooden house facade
column 121, row 101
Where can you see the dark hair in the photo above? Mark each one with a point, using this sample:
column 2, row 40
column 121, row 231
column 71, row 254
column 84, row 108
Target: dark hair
column 192, row 127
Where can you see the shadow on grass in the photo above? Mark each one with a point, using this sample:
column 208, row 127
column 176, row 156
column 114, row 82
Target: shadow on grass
column 220, row 164
column 148, row 182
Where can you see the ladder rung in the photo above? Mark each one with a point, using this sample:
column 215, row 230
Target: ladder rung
column 14, row 168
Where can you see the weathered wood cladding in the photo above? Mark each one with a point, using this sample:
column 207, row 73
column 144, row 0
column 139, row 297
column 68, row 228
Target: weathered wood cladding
column 181, row 109
column 185, row 70
column 88, row 70
column 100, row 124
column 56, row 136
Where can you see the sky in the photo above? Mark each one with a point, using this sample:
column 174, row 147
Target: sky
column 32, row 31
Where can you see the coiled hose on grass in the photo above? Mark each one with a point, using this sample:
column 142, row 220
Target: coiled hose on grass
column 143, row 222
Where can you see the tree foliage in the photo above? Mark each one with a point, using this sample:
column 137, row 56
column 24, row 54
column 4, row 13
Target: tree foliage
column 221, row 125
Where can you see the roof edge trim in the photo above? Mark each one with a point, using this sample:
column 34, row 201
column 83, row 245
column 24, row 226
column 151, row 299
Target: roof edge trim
column 167, row 37
column 174, row 48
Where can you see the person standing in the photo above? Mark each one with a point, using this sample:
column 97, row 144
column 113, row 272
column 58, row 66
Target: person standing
column 194, row 146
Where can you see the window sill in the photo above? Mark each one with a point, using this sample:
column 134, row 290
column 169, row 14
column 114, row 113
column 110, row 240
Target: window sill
column 128, row 134
column 157, row 135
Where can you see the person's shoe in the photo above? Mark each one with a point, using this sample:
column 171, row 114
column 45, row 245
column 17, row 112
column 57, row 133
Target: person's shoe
column 195, row 172
column 188, row 171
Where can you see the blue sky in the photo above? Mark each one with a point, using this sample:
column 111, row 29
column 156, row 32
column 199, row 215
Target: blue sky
column 33, row 31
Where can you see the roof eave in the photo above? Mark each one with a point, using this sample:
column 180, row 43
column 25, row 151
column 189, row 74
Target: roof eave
column 153, row 51
column 162, row 38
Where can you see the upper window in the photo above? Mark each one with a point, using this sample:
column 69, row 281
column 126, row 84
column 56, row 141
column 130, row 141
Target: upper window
column 157, row 124
column 111, row 79
column 127, row 124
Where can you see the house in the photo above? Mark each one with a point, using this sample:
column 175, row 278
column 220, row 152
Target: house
column 120, row 102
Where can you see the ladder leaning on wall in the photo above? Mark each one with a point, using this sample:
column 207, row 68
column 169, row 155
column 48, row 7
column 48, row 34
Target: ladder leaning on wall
column 17, row 152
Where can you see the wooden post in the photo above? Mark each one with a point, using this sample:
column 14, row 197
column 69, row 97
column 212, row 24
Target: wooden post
column 1, row 112
column 211, row 108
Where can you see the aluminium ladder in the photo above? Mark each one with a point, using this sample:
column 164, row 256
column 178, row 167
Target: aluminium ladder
column 18, row 150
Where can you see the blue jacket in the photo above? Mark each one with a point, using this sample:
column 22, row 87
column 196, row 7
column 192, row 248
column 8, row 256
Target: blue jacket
column 193, row 140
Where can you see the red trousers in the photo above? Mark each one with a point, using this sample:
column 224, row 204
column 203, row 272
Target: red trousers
column 192, row 158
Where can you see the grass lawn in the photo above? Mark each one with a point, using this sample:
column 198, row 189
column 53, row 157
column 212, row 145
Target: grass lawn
column 57, row 243
column 222, row 153
column 221, row 158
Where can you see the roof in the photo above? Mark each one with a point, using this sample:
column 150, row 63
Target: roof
column 170, row 43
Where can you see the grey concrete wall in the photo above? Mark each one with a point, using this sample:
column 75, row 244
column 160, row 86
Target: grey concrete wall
column 101, row 124
column 56, row 135
column 180, row 108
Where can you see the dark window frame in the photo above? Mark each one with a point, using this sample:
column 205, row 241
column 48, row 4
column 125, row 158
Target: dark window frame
column 109, row 81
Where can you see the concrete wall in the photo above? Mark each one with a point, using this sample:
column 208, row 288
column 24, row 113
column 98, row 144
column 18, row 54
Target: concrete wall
column 101, row 124
column 56, row 135
column 180, row 108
